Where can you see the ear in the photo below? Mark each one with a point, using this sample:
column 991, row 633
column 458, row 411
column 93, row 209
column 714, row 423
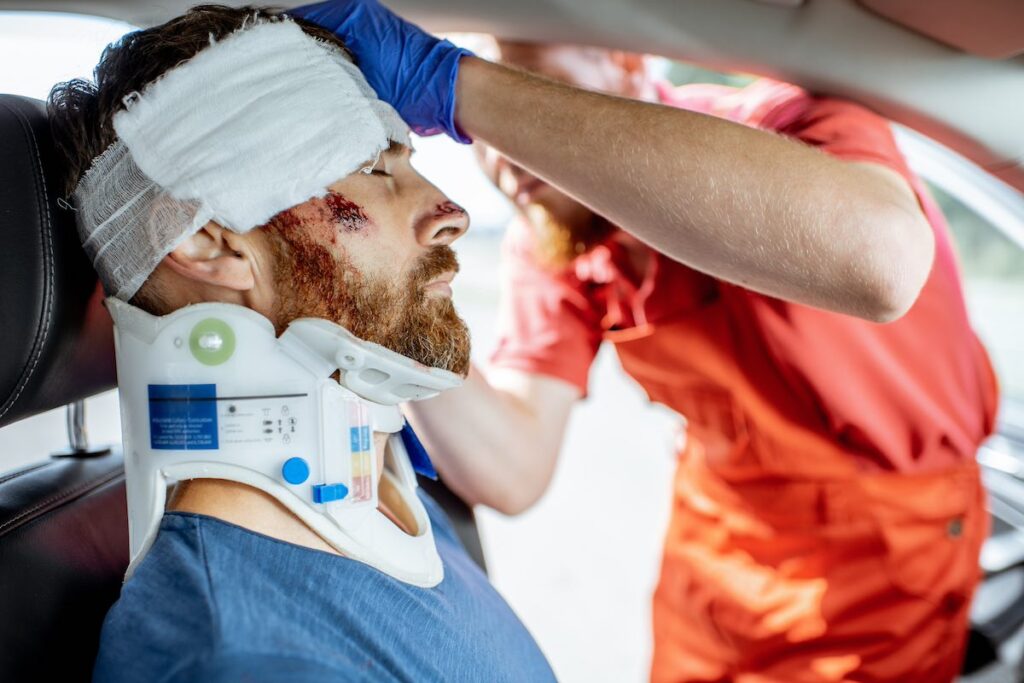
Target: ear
column 214, row 256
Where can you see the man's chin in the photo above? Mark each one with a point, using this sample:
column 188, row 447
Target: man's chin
column 437, row 337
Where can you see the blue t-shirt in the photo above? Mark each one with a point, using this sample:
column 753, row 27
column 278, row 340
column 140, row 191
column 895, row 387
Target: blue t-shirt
column 215, row 602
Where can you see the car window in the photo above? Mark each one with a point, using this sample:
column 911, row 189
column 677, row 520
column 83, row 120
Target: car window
column 683, row 73
column 993, row 270
column 49, row 47
column 986, row 218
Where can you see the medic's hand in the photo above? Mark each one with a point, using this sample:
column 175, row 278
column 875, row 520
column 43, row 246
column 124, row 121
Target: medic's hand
column 409, row 68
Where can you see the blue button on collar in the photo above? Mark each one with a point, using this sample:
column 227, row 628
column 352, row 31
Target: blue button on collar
column 295, row 471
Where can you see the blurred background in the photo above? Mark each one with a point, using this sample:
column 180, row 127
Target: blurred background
column 580, row 566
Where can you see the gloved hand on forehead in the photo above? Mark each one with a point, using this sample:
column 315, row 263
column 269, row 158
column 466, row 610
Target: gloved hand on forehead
column 410, row 69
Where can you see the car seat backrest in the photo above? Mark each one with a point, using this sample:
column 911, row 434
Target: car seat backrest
column 63, row 523
column 56, row 340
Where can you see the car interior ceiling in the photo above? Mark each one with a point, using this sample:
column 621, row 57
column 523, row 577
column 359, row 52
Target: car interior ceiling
column 836, row 47
column 989, row 29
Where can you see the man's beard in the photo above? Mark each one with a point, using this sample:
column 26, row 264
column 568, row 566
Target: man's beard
column 563, row 232
column 311, row 283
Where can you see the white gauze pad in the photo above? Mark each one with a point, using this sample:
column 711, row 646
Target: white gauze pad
column 256, row 123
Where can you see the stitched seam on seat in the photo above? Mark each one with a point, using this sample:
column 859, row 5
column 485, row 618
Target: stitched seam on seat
column 31, row 468
column 56, row 498
column 43, row 199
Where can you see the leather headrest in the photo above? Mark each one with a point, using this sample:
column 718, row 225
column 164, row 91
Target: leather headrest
column 56, row 339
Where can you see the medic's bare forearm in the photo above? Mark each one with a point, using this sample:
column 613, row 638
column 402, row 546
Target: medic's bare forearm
column 493, row 446
column 747, row 206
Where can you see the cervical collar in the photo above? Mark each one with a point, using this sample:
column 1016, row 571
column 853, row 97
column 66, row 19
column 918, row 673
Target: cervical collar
column 209, row 391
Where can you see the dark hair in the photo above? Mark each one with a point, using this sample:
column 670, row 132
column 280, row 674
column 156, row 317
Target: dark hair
column 81, row 112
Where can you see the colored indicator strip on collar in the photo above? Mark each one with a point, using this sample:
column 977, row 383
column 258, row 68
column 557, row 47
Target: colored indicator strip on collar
column 361, row 449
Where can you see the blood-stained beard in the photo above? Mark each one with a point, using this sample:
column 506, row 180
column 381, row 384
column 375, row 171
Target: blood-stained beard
column 312, row 282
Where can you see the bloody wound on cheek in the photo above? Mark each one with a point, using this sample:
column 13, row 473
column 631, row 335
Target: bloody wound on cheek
column 347, row 214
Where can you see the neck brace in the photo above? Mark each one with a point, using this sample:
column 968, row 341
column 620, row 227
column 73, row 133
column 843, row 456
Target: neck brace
column 263, row 120
column 209, row 391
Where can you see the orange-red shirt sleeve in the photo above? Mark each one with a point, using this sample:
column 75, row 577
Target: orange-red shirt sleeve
column 843, row 129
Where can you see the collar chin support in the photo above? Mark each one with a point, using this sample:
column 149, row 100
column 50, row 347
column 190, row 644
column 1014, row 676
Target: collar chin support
column 209, row 391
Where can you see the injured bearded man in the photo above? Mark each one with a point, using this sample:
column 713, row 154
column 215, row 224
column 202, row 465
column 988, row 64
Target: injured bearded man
column 278, row 275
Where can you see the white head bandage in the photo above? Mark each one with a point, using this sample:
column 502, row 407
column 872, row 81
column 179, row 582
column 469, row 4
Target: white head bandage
column 256, row 123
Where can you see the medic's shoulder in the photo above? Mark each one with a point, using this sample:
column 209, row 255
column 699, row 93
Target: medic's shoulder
column 758, row 104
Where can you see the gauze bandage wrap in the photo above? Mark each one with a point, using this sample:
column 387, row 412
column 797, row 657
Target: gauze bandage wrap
column 258, row 122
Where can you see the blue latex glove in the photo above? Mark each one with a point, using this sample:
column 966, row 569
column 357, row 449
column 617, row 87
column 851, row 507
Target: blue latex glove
column 410, row 69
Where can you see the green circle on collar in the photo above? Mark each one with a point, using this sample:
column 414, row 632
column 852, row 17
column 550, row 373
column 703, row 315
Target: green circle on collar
column 212, row 341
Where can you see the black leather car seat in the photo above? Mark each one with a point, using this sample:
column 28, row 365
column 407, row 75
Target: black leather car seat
column 63, row 522
column 63, row 526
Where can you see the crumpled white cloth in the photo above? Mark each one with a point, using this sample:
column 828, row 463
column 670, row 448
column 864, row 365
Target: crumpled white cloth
column 258, row 122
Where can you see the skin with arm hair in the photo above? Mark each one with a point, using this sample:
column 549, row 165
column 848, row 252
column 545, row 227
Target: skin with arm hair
column 743, row 205
column 508, row 429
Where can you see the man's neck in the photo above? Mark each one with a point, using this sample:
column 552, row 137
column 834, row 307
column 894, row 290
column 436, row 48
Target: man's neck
column 246, row 507
column 259, row 511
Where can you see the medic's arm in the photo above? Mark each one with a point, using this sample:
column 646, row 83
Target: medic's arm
column 747, row 206
column 496, row 439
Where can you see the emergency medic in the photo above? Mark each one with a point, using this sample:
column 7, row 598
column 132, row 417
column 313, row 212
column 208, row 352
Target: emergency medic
column 765, row 264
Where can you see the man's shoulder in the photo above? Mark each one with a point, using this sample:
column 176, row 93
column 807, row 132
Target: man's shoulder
column 265, row 667
column 265, row 601
column 212, row 601
column 163, row 609
column 232, row 665
column 173, row 565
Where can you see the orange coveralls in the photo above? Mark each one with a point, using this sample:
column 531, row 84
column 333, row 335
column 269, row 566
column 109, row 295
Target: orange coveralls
column 828, row 512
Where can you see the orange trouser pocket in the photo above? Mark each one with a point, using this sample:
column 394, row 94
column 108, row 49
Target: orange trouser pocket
column 871, row 580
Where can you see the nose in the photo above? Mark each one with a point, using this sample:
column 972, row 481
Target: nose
column 442, row 224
